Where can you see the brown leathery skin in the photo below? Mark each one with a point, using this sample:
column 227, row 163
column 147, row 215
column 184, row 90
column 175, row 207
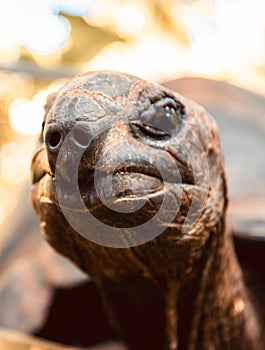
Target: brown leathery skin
column 182, row 290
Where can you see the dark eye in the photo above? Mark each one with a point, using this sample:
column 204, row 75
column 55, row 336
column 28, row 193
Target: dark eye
column 162, row 119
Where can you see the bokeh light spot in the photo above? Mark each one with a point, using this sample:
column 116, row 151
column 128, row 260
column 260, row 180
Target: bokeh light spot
column 44, row 34
column 25, row 115
column 13, row 163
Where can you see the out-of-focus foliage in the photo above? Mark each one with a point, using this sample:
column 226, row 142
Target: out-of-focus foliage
column 168, row 17
column 85, row 41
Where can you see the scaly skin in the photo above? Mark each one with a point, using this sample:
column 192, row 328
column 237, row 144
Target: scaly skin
column 183, row 289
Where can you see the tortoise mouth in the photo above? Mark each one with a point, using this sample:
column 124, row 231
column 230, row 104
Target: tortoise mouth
column 126, row 186
column 123, row 185
column 123, row 206
column 124, row 210
column 131, row 185
column 128, row 182
column 145, row 186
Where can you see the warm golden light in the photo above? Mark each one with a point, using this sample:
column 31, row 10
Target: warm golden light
column 25, row 115
column 13, row 163
column 226, row 40
column 151, row 57
column 239, row 305
column 9, row 36
column 129, row 18
column 125, row 17
column 2, row 213
column 43, row 34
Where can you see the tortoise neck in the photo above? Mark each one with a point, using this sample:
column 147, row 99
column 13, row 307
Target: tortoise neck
column 217, row 311
column 209, row 309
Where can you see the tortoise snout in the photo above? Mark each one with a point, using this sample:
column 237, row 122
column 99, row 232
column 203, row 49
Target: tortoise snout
column 59, row 138
column 81, row 137
column 55, row 136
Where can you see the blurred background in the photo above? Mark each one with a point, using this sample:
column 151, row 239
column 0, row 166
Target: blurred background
column 212, row 51
column 44, row 42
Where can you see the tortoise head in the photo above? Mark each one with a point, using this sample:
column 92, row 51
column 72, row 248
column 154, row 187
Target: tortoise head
column 121, row 161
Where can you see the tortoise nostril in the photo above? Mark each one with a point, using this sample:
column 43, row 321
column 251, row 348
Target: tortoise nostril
column 54, row 140
column 81, row 137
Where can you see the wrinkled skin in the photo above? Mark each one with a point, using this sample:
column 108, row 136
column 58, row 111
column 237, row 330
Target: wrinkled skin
column 182, row 288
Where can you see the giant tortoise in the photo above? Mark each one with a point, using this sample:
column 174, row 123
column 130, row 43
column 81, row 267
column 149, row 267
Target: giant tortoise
column 128, row 182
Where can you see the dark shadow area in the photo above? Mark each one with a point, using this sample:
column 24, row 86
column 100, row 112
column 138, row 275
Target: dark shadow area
column 251, row 253
column 76, row 317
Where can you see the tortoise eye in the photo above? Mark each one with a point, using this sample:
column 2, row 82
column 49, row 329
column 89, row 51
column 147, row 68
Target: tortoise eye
column 162, row 119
